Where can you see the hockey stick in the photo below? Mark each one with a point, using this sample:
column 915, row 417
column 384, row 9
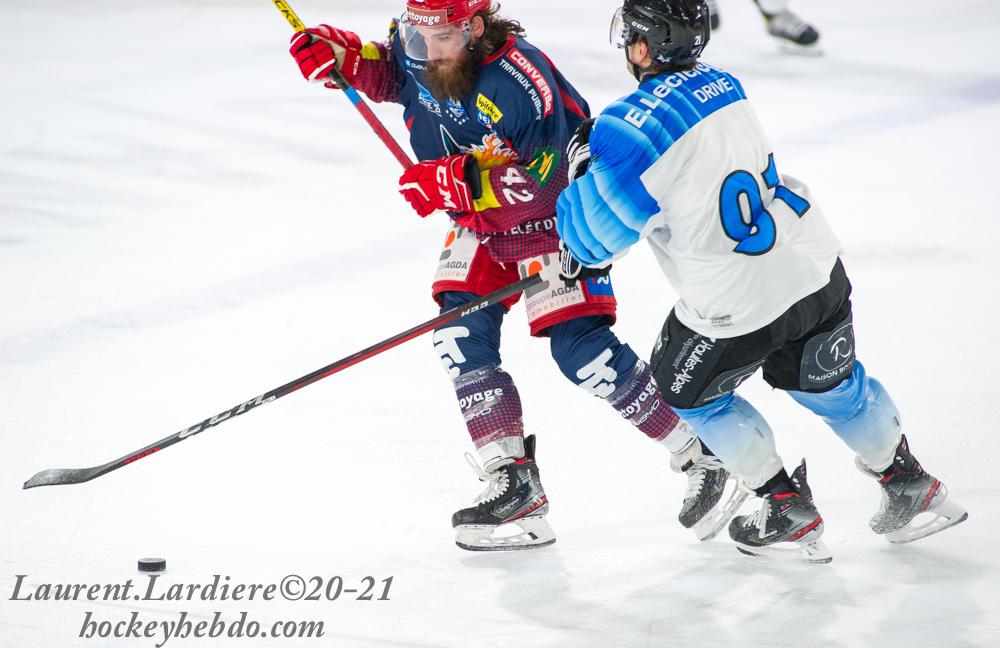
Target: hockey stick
column 352, row 94
column 60, row 476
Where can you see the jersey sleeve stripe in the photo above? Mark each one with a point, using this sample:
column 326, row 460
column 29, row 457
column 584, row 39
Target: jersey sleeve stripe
column 627, row 198
column 578, row 239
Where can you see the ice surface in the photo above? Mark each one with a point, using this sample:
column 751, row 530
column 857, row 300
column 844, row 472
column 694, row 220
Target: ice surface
column 185, row 224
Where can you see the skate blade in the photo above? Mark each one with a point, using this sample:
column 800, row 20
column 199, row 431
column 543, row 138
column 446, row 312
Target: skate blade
column 719, row 515
column 807, row 51
column 530, row 532
column 943, row 516
column 808, row 551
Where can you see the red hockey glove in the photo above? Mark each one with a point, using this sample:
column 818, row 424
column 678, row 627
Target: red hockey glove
column 450, row 183
column 318, row 49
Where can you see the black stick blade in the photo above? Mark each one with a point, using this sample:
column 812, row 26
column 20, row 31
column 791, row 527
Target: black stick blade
column 61, row 476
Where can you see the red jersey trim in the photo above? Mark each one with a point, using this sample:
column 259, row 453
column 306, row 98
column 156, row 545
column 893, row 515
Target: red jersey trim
column 500, row 52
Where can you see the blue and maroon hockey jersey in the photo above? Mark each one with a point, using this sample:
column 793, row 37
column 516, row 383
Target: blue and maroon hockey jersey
column 516, row 123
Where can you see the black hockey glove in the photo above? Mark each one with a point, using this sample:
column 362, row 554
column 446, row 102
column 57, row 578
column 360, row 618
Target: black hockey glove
column 571, row 270
column 578, row 150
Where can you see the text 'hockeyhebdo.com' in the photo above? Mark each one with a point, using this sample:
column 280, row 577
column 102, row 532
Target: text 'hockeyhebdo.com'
column 161, row 625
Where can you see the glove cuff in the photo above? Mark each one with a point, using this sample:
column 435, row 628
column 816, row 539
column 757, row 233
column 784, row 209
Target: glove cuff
column 473, row 178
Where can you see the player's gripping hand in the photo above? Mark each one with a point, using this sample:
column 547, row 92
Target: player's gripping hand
column 571, row 270
column 578, row 149
column 318, row 49
column 447, row 183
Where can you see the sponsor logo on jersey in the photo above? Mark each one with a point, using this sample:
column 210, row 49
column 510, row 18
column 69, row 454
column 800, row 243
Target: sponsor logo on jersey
column 531, row 227
column 488, row 110
column 722, row 321
column 545, row 160
column 491, row 153
column 446, row 344
column 597, row 376
column 600, row 287
column 457, row 111
column 837, row 350
column 488, row 396
column 536, row 77
column 683, row 375
column 425, row 97
column 712, row 90
column 638, row 404
column 833, row 357
column 525, row 83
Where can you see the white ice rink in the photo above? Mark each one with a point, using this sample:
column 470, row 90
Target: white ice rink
column 185, row 224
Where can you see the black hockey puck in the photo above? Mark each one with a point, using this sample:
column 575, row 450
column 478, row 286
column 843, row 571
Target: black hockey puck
column 152, row 565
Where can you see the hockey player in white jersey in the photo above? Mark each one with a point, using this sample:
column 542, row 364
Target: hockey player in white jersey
column 683, row 163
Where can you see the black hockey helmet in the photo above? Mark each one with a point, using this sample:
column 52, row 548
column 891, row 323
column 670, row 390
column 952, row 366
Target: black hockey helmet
column 676, row 30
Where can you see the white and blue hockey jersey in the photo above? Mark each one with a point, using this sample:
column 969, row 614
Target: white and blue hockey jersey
column 684, row 163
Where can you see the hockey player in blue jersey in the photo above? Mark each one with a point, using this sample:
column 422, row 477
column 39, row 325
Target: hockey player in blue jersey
column 489, row 117
column 683, row 163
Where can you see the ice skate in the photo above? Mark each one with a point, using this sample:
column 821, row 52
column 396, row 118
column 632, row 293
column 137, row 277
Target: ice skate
column 713, row 493
column 793, row 33
column 914, row 503
column 510, row 513
column 787, row 526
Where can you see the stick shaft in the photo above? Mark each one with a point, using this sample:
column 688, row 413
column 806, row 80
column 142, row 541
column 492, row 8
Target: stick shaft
column 62, row 476
column 355, row 98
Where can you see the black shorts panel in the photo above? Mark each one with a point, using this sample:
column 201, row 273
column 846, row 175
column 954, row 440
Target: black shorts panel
column 797, row 351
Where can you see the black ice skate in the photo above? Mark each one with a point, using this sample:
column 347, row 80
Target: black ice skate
column 787, row 525
column 510, row 513
column 907, row 492
column 793, row 33
column 713, row 494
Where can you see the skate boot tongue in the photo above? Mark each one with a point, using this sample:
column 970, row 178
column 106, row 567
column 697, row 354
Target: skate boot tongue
column 798, row 479
column 779, row 486
column 902, row 462
column 497, row 480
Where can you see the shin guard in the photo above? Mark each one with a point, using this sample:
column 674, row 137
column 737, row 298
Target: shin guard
column 862, row 414
column 491, row 407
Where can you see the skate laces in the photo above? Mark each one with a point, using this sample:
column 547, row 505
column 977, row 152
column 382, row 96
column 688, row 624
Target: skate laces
column 759, row 517
column 496, row 481
column 697, row 473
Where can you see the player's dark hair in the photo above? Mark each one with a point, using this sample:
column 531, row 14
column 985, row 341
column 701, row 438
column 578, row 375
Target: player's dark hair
column 498, row 28
column 668, row 69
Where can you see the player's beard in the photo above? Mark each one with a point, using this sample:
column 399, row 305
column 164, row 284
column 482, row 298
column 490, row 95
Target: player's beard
column 456, row 78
